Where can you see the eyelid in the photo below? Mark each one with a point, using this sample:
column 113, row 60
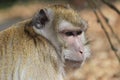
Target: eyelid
column 72, row 33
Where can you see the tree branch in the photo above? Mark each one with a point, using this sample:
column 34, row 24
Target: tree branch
column 107, row 21
column 111, row 6
column 102, row 26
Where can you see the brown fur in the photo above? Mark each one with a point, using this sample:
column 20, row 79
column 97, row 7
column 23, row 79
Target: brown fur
column 67, row 13
column 19, row 51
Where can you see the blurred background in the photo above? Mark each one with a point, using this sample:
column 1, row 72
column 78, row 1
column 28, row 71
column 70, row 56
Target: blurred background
column 103, row 17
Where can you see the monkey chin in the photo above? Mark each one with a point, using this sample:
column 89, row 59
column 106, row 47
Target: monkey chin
column 72, row 65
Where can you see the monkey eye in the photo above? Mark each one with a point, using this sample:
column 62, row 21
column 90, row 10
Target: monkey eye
column 79, row 32
column 73, row 33
column 70, row 33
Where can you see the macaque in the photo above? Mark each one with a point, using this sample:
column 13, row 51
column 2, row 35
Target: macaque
column 43, row 47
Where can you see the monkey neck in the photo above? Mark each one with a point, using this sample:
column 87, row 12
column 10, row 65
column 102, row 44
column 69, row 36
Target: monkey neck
column 37, row 38
column 28, row 28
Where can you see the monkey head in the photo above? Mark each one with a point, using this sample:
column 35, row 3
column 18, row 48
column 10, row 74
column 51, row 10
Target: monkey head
column 65, row 30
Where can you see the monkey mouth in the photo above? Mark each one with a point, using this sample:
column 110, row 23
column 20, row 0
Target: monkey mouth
column 73, row 63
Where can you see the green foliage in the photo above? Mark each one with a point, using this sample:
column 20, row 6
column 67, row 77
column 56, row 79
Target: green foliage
column 6, row 3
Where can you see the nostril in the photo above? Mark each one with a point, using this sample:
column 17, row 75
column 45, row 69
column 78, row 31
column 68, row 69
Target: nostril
column 81, row 52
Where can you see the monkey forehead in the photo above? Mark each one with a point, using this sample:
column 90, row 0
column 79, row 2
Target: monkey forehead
column 68, row 14
column 65, row 25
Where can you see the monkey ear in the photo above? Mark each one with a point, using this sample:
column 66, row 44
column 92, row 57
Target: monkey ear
column 40, row 19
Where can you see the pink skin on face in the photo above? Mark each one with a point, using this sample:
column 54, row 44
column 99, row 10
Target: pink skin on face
column 76, row 45
column 76, row 56
column 74, row 51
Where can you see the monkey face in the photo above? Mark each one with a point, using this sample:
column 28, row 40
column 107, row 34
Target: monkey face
column 74, row 51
